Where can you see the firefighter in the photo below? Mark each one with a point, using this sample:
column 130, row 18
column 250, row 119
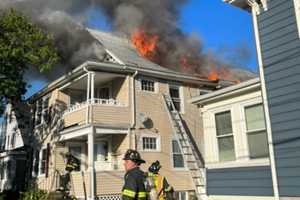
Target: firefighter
column 134, row 187
column 162, row 188
column 73, row 163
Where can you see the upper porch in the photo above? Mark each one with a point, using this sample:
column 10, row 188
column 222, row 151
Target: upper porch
column 93, row 98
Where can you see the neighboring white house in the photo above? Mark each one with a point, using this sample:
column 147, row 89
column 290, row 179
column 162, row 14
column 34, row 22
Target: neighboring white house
column 235, row 142
column 12, row 153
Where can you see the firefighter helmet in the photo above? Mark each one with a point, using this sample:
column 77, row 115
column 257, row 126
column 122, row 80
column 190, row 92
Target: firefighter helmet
column 134, row 156
column 154, row 167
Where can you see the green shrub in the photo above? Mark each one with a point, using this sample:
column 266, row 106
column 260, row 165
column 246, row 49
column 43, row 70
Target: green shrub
column 34, row 194
column 2, row 196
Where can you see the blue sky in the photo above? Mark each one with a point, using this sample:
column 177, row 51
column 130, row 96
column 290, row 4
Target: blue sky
column 222, row 28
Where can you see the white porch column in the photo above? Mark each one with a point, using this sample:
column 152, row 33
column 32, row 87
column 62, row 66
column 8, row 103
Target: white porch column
column 88, row 86
column 91, row 165
column 92, row 87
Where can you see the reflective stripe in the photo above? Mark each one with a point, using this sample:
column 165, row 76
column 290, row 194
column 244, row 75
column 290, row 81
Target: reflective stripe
column 141, row 194
column 128, row 193
column 168, row 189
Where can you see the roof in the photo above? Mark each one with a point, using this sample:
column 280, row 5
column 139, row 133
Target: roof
column 123, row 49
column 128, row 61
column 247, row 86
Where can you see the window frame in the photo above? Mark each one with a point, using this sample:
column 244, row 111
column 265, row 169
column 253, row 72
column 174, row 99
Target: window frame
column 252, row 131
column 155, row 89
column 239, row 131
column 179, row 99
column 150, row 135
column 40, row 173
column 225, row 135
column 184, row 168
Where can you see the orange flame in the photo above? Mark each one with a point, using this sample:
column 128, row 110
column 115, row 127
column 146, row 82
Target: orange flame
column 213, row 75
column 145, row 43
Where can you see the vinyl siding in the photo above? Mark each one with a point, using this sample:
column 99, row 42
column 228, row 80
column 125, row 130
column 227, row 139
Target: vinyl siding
column 246, row 181
column 152, row 104
column 111, row 114
column 280, row 46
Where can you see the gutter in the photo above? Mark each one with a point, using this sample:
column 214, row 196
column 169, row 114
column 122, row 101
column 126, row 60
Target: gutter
column 133, row 105
column 111, row 67
column 227, row 92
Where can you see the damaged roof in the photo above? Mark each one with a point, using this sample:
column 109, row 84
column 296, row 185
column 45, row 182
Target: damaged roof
column 124, row 51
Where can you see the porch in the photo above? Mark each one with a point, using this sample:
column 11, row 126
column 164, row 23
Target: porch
column 95, row 97
column 100, row 151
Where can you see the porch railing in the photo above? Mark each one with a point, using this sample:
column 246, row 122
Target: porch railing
column 101, row 102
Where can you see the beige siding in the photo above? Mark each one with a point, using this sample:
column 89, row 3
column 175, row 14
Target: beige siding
column 80, row 184
column 120, row 144
column 111, row 115
column 192, row 117
column 75, row 118
column 120, row 88
column 109, row 182
column 152, row 104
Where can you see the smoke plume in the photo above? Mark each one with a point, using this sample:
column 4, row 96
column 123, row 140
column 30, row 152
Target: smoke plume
column 174, row 49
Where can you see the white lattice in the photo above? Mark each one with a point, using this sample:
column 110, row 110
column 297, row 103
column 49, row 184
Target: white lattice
column 110, row 197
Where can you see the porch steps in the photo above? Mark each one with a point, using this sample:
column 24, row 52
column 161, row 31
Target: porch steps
column 191, row 156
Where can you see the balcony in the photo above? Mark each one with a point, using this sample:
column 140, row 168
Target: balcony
column 100, row 98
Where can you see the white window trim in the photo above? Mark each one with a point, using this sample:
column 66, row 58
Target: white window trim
column 181, row 95
column 237, row 110
column 216, row 146
column 297, row 14
column 151, row 135
column 185, row 168
column 244, row 125
column 148, row 79
column 40, row 161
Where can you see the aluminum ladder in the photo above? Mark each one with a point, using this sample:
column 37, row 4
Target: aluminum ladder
column 190, row 154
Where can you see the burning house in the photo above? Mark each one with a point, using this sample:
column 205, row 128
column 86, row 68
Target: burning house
column 101, row 109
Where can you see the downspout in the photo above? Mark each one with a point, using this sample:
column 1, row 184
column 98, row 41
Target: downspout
column 255, row 11
column 87, row 95
column 133, row 106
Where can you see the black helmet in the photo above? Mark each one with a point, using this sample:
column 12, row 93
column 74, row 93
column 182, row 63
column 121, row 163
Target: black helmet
column 134, row 156
column 154, row 167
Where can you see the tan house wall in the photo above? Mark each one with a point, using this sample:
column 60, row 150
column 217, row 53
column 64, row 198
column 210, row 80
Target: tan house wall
column 192, row 116
column 77, row 117
column 120, row 88
column 109, row 182
column 152, row 104
column 111, row 115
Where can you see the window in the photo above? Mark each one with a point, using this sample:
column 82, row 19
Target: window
column 225, row 136
column 175, row 96
column 181, row 195
column 76, row 152
column 39, row 109
column 101, row 151
column 2, row 169
column 178, row 161
column 256, row 131
column 297, row 13
column 43, row 160
column 147, row 85
column 103, row 93
column 150, row 143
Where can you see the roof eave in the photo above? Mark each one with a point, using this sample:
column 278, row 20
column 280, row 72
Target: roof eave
column 243, row 87
column 111, row 67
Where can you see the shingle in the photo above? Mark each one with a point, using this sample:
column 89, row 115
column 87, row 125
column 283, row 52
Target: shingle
column 125, row 51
